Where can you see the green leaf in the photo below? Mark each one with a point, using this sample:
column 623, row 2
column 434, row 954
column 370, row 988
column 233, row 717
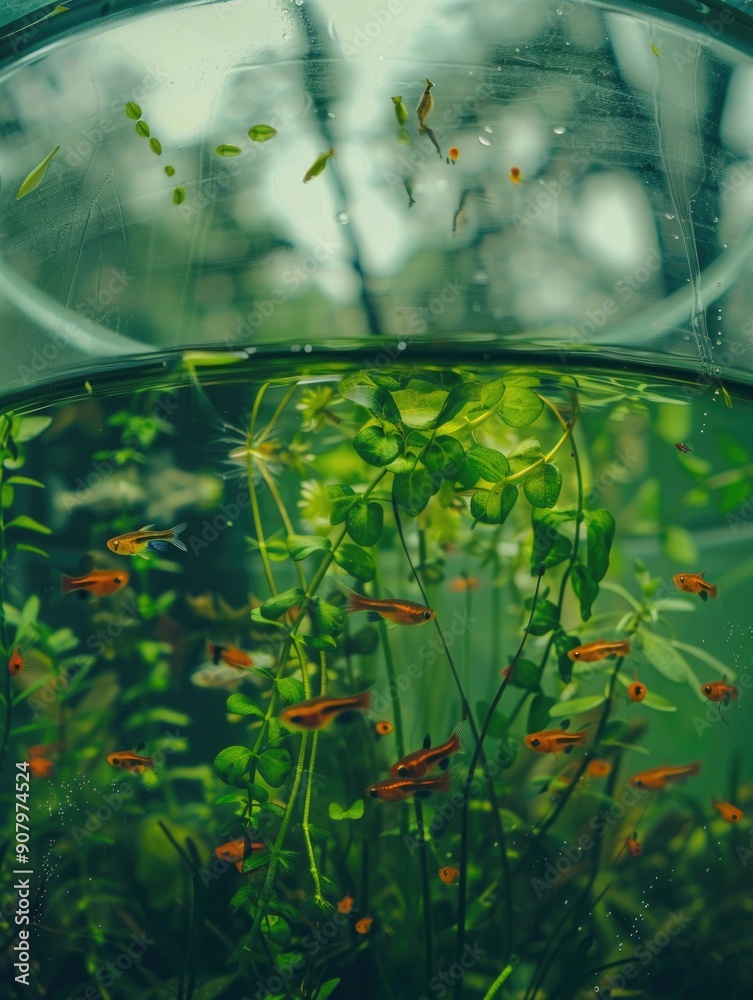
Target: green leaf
column 7, row 495
column 23, row 547
column 563, row 643
column 231, row 764
column 585, row 587
column 290, row 689
column 274, row 766
column 678, row 544
column 179, row 195
column 525, row 676
column 328, row 620
column 544, row 618
column 524, row 455
column 538, row 713
column 520, row 406
column 156, row 146
column 261, row 133
column 24, row 521
column 599, row 535
column 491, row 393
column 493, row 506
column 364, row 522
column 550, row 548
column 327, row 989
column 356, row 561
column 403, row 464
column 652, row 700
column 662, row 655
column 228, row 149
column 35, row 178
column 29, row 428
column 336, row 812
column 576, row 706
column 542, row 486
column 239, row 704
column 24, row 481
column 373, row 397
column 459, row 396
column 412, row 490
column 133, row 111
column 488, row 464
column 445, row 456
column 376, row 447
column 275, row 607
column 419, row 407
column 707, row 658
column 340, row 508
column 301, row 546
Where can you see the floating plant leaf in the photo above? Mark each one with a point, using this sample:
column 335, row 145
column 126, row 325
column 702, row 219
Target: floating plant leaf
column 337, row 812
column 37, row 175
column 364, row 522
column 179, row 196
column 274, row 766
column 143, row 129
column 376, row 447
column 459, row 396
column 133, row 110
column 520, row 406
column 156, row 146
column 445, row 455
column 542, row 486
column 239, row 704
column 170, row 170
column 228, row 149
column 261, row 133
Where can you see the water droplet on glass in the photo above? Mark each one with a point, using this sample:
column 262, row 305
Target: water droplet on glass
column 669, row 215
column 342, row 218
column 481, row 277
column 559, row 129
column 559, row 12
column 487, row 129
column 330, row 114
column 484, row 141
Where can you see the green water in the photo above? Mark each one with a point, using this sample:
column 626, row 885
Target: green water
column 268, row 464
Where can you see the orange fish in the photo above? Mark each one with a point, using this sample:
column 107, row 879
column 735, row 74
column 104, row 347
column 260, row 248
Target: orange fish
column 462, row 583
column 42, row 749
column 133, row 543
column 660, row 777
column 552, row 740
column 449, row 875
column 591, row 652
column 693, row 583
column 515, row 175
column 452, row 154
column 364, row 925
column 393, row 610
column 346, row 904
column 399, row 789
column 316, row 713
column 420, row 762
column 16, row 662
column 129, row 761
column 23, row 656
column 636, row 691
column 719, row 691
column 231, row 656
column 383, row 728
column 99, row 583
column 40, row 767
column 235, row 850
column 634, row 847
column 598, row 768
column 729, row 812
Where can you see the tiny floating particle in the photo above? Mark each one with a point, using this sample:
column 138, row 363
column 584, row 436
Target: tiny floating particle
column 261, row 133
column 133, row 110
column 228, row 149
column 655, row 51
column 169, row 170
column 515, row 175
column 37, row 175
column 143, row 129
column 179, row 195
column 88, row 387
column 318, row 165
column 156, row 146
column 452, row 154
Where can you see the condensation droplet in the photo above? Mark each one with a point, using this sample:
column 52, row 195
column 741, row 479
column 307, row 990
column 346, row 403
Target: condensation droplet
column 559, row 129
column 487, row 129
column 481, row 277
column 484, row 141
column 342, row 218
column 669, row 215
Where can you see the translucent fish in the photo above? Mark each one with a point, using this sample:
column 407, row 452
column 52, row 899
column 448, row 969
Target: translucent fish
column 426, row 103
column 37, row 175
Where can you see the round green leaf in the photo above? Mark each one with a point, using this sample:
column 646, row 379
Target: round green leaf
column 356, row 561
column 542, row 486
column 520, row 406
column 337, row 812
column 493, row 506
column 364, row 522
column 143, row 129
column 231, row 764
column 261, row 133
column 133, row 110
column 525, row 675
column 290, row 689
column 239, row 704
column 170, row 170
column 228, row 149
column 179, row 195
column 412, row 490
column 274, row 766
column 445, row 455
column 376, row 447
column 487, row 463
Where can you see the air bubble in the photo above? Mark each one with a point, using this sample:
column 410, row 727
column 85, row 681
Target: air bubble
column 481, row 277
column 669, row 215
column 343, row 218
column 484, row 141
column 559, row 129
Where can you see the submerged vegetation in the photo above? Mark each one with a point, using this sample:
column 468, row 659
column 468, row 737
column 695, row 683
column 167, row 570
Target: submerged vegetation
column 243, row 853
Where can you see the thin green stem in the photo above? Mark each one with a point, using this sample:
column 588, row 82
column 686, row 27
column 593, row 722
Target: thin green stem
column 425, row 892
column 7, row 424
column 500, row 981
column 312, row 765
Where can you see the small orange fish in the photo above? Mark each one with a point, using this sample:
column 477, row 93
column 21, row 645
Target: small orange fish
column 231, row 656
column 636, row 691
column 449, row 875
column 16, row 662
column 399, row 789
column 129, row 761
column 364, row 925
column 133, row 543
column 452, row 154
column 420, row 762
column 463, row 583
column 634, row 847
column 719, row 691
column 383, row 728
column 693, row 583
column 683, row 448
column 729, row 812
column 552, row 740
column 98, row 583
column 235, row 850
column 598, row 768
column 393, row 610
column 591, row 652
column 22, row 656
column 316, row 713
column 515, row 175
column 40, row 767
column 346, row 904
column 660, row 777
column 42, row 749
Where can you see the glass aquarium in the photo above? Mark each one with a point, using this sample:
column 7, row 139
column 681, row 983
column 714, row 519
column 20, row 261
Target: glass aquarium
column 376, row 500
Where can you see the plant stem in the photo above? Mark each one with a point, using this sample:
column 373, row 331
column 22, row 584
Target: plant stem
column 3, row 629
column 426, row 893
column 500, row 980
